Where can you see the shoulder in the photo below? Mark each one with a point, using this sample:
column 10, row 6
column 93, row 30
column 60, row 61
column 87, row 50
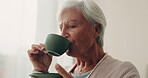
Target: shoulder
column 113, row 68
column 126, row 65
column 128, row 70
column 123, row 68
column 117, row 64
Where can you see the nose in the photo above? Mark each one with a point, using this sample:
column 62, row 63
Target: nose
column 65, row 33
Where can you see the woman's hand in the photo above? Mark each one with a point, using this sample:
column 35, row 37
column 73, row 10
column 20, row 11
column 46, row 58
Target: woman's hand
column 62, row 71
column 40, row 59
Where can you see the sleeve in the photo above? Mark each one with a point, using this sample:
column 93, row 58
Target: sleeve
column 132, row 72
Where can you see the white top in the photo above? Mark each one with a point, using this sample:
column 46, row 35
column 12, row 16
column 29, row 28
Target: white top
column 109, row 67
column 81, row 76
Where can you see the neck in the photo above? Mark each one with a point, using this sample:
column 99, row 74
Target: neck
column 92, row 56
column 90, row 59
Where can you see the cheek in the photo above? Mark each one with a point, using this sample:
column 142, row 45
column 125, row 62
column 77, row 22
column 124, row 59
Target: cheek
column 85, row 35
column 82, row 38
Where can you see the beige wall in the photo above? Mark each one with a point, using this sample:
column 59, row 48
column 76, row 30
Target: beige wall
column 126, row 36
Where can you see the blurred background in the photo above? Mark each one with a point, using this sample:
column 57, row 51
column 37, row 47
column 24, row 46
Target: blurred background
column 27, row 22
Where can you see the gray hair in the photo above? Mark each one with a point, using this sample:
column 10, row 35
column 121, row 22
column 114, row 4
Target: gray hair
column 91, row 12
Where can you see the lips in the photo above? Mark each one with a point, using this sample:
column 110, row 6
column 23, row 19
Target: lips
column 70, row 47
column 72, row 41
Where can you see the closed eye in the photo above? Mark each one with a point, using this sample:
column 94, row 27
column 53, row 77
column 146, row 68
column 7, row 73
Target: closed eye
column 72, row 26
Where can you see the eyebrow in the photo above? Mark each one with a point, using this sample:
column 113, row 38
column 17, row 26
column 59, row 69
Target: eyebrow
column 70, row 21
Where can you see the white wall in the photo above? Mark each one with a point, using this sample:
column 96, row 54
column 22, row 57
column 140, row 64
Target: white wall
column 46, row 23
column 46, row 19
column 17, row 30
column 126, row 35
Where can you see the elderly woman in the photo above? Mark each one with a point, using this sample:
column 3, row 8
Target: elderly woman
column 83, row 24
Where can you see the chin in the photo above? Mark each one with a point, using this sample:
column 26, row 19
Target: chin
column 71, row 54
column 68, row 53
column 71, row 51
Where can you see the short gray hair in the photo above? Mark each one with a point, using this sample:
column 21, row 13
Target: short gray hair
column 91, row 12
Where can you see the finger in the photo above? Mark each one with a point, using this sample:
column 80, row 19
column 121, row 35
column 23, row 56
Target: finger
column 42, row 46
column 32, row 52
column 29, row 52
column 62, row 71
column 35, row 47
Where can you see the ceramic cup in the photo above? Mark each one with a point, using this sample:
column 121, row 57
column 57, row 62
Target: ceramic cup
column 56, row 45
column 46, row 75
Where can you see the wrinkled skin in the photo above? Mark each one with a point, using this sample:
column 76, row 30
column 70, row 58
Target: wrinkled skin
column 40, row 59
column 79, row 31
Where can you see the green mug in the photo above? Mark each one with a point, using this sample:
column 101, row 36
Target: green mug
column 56, row 45
column 46, row 75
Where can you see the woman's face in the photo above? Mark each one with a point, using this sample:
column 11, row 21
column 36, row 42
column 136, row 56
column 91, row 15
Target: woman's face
column 78, row 30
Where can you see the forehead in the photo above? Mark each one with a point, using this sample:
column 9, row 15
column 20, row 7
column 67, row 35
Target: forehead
column 72, row 15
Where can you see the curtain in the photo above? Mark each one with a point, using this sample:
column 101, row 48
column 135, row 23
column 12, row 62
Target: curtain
column 23, row 23
column 17, row 31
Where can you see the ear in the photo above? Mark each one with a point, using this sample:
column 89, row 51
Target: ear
column 97, row 29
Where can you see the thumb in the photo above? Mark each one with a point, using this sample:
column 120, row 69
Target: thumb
column 62, row 71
